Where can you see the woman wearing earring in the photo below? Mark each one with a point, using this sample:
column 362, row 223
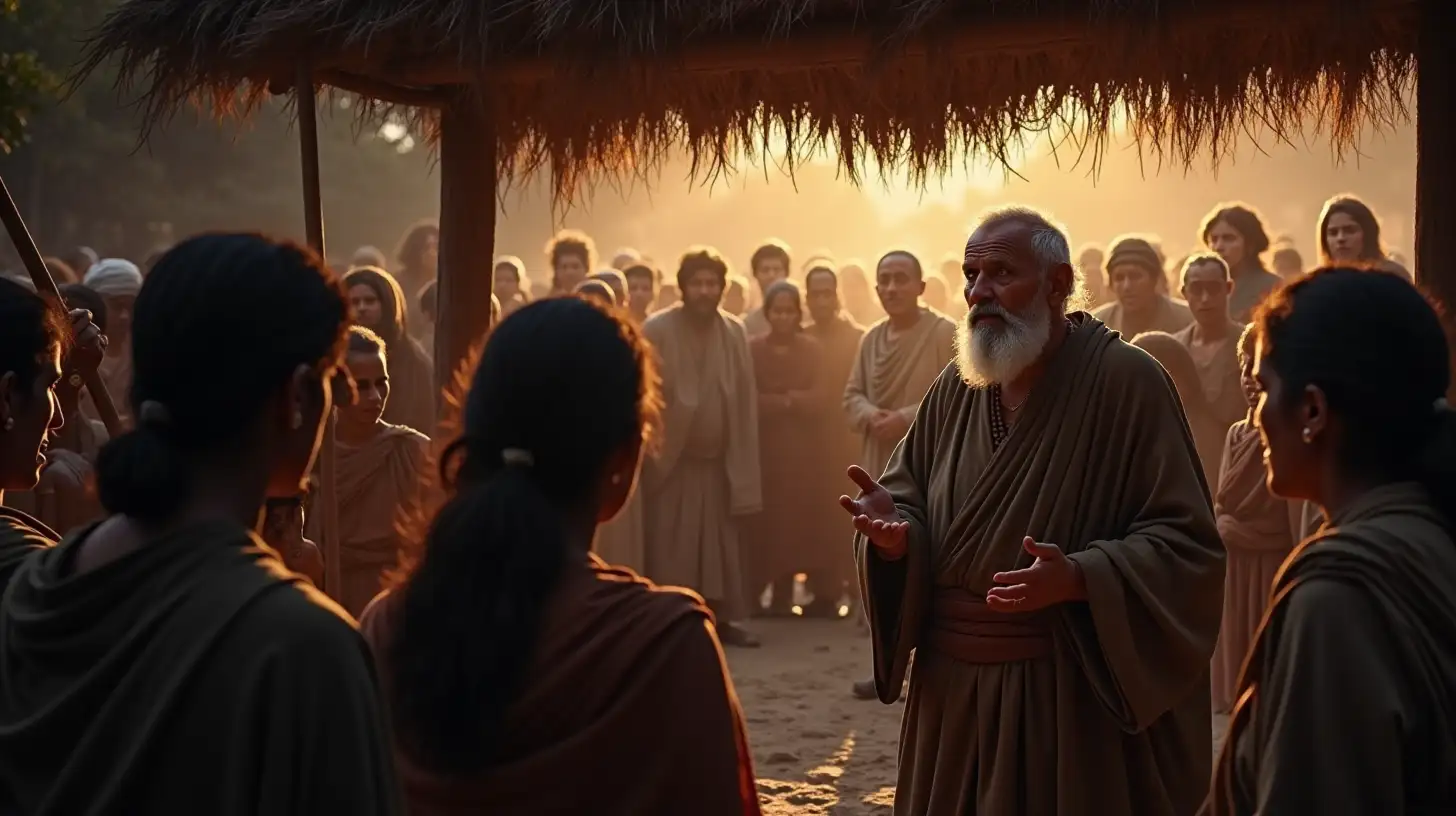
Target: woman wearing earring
column 1345, row 703
column 42, row 361
column 525, row 675
column 164, row 660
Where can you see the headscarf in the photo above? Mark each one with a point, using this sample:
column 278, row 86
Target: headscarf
column 114, row 277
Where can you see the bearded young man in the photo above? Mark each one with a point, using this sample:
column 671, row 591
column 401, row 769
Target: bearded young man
column 1044, row 541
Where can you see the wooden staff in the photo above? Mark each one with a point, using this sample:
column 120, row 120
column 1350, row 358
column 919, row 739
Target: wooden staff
column 45, row 285
column 313, row 219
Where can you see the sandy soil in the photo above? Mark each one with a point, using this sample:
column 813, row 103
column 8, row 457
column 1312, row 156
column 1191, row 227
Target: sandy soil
column 818, row 750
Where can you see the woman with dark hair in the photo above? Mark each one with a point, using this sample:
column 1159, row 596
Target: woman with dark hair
column 1349, row 234
column 1258, row 530
column 1208, row 433
column 164, row 660
column 526, row 675
column 787, row 536
column 380, row 470
column 379, row 305
column 1236, row 232
column 37, row 359
column 1347, row 700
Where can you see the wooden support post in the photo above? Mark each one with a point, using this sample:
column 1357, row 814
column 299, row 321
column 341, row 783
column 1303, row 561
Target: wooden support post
column 1435, row 162
column 313, row 219
column 467, row 233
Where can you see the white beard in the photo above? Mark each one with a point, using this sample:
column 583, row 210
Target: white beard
column 991, row 353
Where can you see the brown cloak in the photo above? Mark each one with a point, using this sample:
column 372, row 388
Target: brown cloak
column 1094, row 707
column 893, row 374
column 379, row 488
column 194, row 675
column 1347, row 704
column 1257, row 529
column 1221, row 377
column 705, row 476
column 626, row 708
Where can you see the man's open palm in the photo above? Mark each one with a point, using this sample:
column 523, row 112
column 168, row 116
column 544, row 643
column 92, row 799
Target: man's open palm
column 875, row 516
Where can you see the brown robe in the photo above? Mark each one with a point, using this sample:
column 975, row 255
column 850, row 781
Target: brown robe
column 893, row 374
column 193, row 675
column 1347, row 704
column 704, row 477
column 379, row 489
column 789, row 535
column 1220, row 376
column 626, row 708
column 1252, row 283
column 1170, row 316
column 1089, row 708
column 839, row 339
column 1258, row 531
column 20, row 535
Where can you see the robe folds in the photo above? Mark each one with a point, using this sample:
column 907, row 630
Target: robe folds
column 379, row 489
column 1347, row 702
column 704, row 478
column 1220, row 375
column 1258, row 531
column 193, row 675
column 1083, row 709
column 626, row 708
column 20, row 535
column 893, row 374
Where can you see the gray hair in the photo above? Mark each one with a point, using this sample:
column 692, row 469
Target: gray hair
column 1048, row 242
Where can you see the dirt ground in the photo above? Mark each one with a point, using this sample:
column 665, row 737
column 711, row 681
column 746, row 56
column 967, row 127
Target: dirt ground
column 818, row 750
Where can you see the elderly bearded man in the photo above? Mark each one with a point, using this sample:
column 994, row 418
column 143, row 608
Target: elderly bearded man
column 1042, row 538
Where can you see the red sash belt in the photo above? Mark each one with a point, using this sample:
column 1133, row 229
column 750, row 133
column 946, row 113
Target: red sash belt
column 962, row 627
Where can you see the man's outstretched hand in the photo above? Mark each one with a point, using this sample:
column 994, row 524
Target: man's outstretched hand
column 875, row 516
column 1050, row 580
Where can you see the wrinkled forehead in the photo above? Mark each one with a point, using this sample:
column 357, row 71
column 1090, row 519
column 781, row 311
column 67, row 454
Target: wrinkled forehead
column 1006, row 242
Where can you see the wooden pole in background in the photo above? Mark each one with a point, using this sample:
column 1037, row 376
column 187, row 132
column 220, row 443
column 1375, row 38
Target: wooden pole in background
column 313, row 218
column 46, row 286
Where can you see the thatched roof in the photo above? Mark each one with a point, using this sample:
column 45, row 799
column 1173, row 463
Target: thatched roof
column 607, row 86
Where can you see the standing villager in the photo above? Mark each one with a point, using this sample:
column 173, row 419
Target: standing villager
column 509, row 283
column 380, row 470
column 898, row 359
column 1288, row 264
column 165, row 656
column 379, row 307
column 1236, row 232
column 39, row 354
column 787, row 535
column 1212, row 338
column 704, row 480
column 1349, row 235
column 1258, row 531
column 573, row 255
column 643, row 281
column 615, row 281
column 620, row 541
column 1362, row 616
column 527, row 676
column 1134, row 269
column 858, row 297
column 419, row 263
column 769, row 264
column 118, row 282
column 1090, row 269
column 1043, row 542
column 597, row 292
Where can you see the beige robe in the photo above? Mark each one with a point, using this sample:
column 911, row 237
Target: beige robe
column 1258, row 531
column 893, row 374
column 704, row 478
column 619, row 542
column 379, row 488
column 1220, row 376
column 1171, row 316
column 1084, row 709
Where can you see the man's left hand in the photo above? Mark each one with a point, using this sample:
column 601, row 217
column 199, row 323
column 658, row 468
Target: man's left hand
column 1050, row 580
column 893, row 427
